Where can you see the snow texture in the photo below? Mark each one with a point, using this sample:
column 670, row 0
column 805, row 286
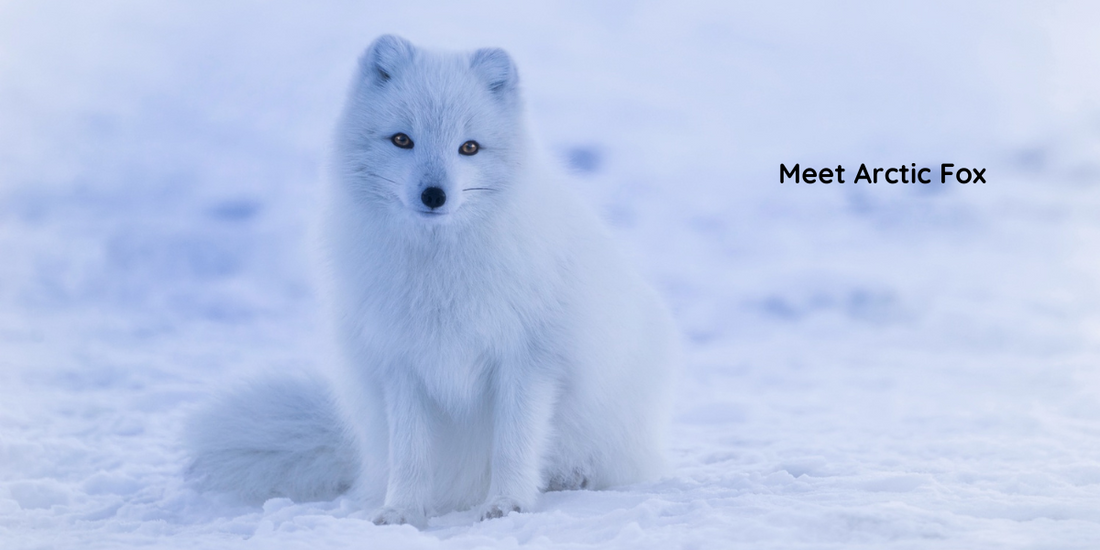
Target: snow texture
column 866, row 366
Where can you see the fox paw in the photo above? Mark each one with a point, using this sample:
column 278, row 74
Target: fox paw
column 573, row 481
column 499, row 507
column 394, row 516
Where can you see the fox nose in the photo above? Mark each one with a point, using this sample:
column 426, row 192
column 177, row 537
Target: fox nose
column 433, row 197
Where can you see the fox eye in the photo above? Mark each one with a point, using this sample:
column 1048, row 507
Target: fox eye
column 469, row 148
column 402, row 141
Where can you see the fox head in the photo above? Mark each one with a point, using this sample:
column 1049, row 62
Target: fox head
column 431, row 137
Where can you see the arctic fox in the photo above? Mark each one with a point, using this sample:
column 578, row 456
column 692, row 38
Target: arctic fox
column 493, row 343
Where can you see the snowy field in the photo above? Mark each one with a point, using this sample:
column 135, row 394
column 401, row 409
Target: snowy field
column 866, row 366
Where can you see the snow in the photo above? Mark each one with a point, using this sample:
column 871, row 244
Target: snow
column 866, row 366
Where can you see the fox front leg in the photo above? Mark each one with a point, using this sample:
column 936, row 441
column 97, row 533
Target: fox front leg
column 409, row 487
column 522, row 409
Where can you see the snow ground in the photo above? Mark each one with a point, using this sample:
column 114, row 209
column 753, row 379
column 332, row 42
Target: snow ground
column 867, row 367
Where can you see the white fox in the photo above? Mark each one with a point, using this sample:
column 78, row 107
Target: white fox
column 494, row 344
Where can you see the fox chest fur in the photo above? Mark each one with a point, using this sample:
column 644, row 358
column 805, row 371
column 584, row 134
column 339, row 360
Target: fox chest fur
column 449, row 307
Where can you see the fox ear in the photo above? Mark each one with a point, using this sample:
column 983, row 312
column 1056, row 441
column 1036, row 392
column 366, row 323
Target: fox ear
column 384, row 57
column 496, row 68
